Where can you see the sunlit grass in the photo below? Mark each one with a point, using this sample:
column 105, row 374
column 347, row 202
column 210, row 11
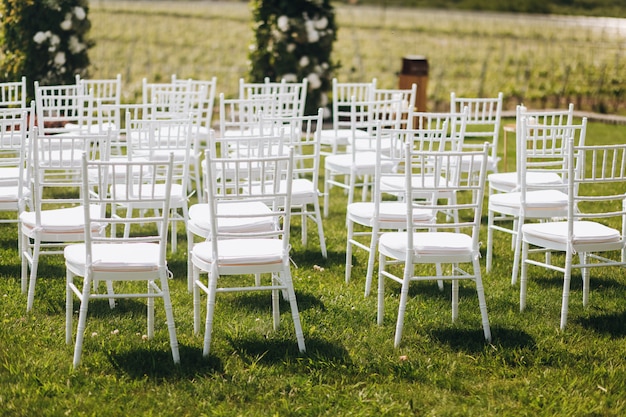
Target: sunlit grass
column 350, row 366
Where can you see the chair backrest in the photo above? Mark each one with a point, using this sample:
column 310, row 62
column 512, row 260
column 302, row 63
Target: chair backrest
column 254, row 179
column 55, row 167
column 303, row 134
column 544, row 149
column 60, row 105
column 483, row 118
column 368, row 116
column 172, row 100
column 105, row 91
column 202, row 99
column 13, row 134
column 469, row 190
column 342, row 96
column 456, row 125
column 155, row 139
column 241, row 116
column 13, row 159
column 13, row 93
column 289, row 98
column 558, row 117
column 407, row 99
column 597, row 192
column 106, row 185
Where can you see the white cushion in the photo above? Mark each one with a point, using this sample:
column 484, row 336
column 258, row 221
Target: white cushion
column 11, row 194
column 389, row 212
column 64, row 220
column 240, row 252
column 426, row 243
column 9, row 175
column 508, row 180
column 363, row 161
column 541, row 199
column 585, row 232
column 199, row 215
column 125, row 257
column 340, row 136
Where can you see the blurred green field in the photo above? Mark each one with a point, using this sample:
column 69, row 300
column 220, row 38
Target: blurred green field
column 543, row 61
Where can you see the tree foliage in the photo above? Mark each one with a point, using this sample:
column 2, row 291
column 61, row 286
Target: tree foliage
column 293, row 41
column 44, row 40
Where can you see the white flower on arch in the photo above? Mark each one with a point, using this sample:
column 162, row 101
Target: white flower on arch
column 59, row 59
column 74, row 45
column 79, row 12
column 283, row 23
column 314, row 81
column 40, row 37
column 322, row 23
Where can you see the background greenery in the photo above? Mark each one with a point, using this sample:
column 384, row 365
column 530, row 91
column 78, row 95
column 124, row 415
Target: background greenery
column 543, row 61
column 613, row 8
column 350, row 367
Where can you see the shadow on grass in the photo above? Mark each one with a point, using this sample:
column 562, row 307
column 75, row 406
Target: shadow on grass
column 261, row 302
column 473, row 340
column 141, row 363
column 611, row 324
column 273, row 351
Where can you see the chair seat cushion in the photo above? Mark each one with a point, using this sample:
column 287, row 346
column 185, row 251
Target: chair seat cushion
column 9, row 175
column 507, row 181
column 394, row 244
column 541, row 199
column 388, row 212
column 123, row 257
column 199, row 215
column 63, row 220
column 242, row 252
column 585, row 232
column 178, row 194
column 11, row 193
column 340, row 136
column 396, row 183
column 363, row 161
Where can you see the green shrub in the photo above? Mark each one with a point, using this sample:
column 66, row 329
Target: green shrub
column 294, row 40
column 44, row 40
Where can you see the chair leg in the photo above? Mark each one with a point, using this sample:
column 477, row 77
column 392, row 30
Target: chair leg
column 150, row 302
column 517, row 234
column 567, row 278
column 455, row 300
column 82, row 321
column 169, row 316
column 69, row 306
column 327, row 187
column 585, row 272
column 523, row 277
column 371, row 259
column 25, row 254
column 276, row 303
column 294, row 309
column 34, row 266
column 208, row 327
column 320, row 228
column 404, row 295
column 488, row 262
column 196, row 299
column 482, row 303
column 350, row 230
column 381, row 290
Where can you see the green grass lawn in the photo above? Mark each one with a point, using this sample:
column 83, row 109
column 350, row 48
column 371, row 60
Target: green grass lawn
column 350, row 366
